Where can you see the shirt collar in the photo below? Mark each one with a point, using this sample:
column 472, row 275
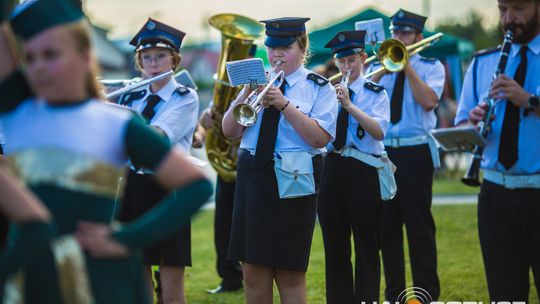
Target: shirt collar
column 534, row 46
column 356, row 86
column 296, row 75
column 166, row 92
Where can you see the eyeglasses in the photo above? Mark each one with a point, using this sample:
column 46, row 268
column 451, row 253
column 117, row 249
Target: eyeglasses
column 158, row 58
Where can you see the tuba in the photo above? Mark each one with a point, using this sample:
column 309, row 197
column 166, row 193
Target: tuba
column 238, row 33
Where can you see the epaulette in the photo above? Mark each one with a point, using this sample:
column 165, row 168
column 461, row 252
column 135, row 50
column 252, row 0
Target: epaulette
column 131, row 96
column 373, row 87
column 429, row 60
column 181, row 90
column 318, row 79
column 487, row 51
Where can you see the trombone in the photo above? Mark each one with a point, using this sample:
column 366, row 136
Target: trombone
column 394, row 55
column 246, row 113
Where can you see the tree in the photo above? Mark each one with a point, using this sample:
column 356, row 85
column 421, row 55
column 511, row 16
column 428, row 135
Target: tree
column 473, row 29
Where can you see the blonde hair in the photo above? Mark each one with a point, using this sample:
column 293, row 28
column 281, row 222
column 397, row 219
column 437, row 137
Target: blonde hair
column 303, row 43
column 177, row 58
column 80, row 31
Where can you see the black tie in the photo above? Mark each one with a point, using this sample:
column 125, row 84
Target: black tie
column 508, row 146
column 266, row 143
column 342, row 125
column 396, row 104
column 149, row 112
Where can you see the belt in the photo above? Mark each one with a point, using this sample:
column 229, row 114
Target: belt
column 397, row 142
column 513, row 181
column 361, row 156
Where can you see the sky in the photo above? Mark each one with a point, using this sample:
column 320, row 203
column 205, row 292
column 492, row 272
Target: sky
column 124, row 17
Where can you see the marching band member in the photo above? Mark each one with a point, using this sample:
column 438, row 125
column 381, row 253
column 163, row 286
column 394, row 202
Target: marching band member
column 229, row 271
column 414, row 94
column 349, row 199
column 508, row 206
column 172, row 109
column 278, row 168
column 70, row 147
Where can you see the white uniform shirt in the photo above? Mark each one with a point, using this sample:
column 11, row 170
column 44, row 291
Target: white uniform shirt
column 415, row 121
column 316, row 102
column 376, row 106
column 176, row 114
column 529, row 126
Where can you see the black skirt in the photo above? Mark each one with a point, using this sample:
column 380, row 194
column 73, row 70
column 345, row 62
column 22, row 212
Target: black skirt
column 267, row 230
column 141, row 194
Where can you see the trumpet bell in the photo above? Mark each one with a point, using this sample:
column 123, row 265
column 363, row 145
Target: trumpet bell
column 393, row 55
column 245, row 114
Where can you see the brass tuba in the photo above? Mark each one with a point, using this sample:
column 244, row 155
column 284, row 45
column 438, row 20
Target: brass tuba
column 238, row 33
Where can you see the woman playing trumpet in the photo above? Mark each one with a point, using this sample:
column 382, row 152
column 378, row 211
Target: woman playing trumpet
column 273, row 226
column 349, row 197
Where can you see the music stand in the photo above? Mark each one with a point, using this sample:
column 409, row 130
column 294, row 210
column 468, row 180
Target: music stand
column 461, row 139
column 248, row 71
column 374, row 31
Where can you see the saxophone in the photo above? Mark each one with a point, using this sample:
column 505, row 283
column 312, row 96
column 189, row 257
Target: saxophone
column 237, row 36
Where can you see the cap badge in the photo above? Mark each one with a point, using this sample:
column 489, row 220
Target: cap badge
column 151, row 25
column 341, row 37
column 275, row 25
column 401, row 14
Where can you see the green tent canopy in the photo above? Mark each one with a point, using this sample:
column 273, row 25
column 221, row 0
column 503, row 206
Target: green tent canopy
column 447, row 46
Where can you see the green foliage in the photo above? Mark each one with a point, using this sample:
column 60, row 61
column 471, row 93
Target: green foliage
column 472, row 28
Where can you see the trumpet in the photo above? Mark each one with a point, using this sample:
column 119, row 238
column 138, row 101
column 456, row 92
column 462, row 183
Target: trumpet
column 246, row 113
column 471, row 177
column 394, row 55
column 345, row 80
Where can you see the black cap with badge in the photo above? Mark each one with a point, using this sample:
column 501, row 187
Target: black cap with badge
column 282, row 32
column 157, row 34
column 407, row 21
column 347, row 43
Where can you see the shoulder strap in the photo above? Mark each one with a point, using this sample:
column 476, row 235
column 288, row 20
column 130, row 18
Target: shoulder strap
column 373, row 87
column 317, row 79
column 131, row 96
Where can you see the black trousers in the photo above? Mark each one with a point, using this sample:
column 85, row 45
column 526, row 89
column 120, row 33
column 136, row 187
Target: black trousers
column 412, row 207
column 509, row 231
column 229, row 271
column 349, row 201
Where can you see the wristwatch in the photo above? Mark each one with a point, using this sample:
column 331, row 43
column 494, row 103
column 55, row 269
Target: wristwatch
column 534, row 101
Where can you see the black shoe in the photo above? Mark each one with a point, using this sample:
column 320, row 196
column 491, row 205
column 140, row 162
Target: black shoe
column 222, row 288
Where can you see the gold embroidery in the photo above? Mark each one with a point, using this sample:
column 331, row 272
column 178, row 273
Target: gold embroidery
column 72, row 273
column 68, row 170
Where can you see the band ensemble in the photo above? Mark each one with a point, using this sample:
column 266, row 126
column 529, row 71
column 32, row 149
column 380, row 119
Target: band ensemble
column 288, row 176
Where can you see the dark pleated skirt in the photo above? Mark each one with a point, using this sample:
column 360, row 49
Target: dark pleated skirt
column 267, row 230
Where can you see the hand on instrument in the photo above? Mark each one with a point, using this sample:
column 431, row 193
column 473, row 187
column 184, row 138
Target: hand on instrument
column 207, row 119
column 478, row 113
column 505, row 87
column 199, row 137
column 96, row 239
column 343, row 95
column 274, row 98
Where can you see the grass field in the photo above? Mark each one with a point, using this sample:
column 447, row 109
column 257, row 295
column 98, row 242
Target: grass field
column 460, row 263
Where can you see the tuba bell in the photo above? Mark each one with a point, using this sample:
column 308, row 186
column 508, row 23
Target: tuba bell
column 237, row 33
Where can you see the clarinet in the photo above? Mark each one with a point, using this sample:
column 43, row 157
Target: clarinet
column 471, row 177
